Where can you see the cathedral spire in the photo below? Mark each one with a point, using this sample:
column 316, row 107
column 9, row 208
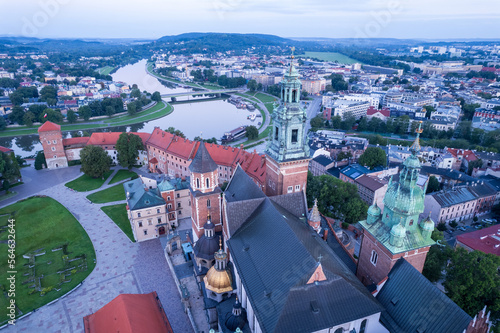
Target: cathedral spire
column 415, row 147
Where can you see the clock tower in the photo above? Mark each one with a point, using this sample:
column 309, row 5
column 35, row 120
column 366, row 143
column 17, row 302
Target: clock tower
column 287, row 152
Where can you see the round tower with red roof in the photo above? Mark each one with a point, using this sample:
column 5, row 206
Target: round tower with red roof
column 52, row 141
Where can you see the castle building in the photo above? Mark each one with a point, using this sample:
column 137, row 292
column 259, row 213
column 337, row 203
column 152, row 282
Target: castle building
column 287, row 151
column 396, row 232
column 52, row 142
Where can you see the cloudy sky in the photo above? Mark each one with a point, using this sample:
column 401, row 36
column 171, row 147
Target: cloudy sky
column 288, row 18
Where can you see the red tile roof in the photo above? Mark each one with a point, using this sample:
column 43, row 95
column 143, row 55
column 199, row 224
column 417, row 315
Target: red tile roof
column 5, row 149
column 160, row 139
column 76, row 141
column 49, row 126
column 486, row 240
column 372, row 110
column 182, row 148
column 129, row 313
column 222, row 155
column 153, row 160
column 110, row 138
column 468, row 154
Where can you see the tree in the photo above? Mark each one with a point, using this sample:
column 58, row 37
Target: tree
column 252, row 132
column 95, row 161
column 252, row 85
column 48, row 92
column 336, row 198
column 16, row 98
column 373, row 157
column 336, row 122
column 110, row 110
column 131, row 108
column 429, row 109
column 40, row 161
column 3, row 123
column 5, row 185
column 175, row 132
column 473, row 281
column 317, row 122
column 71, row 116
column 433, row 185
column 437, row 258
column 128, row 147
column 28, row 118
column 85, row 112
column 135, row 93
column 473, row 165
column 156, row 97
column 53, row 116
column 17, row 115
column 363, row 124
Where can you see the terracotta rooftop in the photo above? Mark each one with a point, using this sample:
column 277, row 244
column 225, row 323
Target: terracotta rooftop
column 5, row 149
column 486, row 240
column 49, row 126
column 76, row 141
column 160, row 139
column 129, row 313
column 110, row 138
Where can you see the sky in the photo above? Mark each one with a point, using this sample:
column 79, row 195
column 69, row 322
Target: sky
column 151, row 19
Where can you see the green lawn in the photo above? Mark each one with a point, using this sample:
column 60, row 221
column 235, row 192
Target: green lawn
column 118, row 213
column 261, row 136
column 111, row 194
column 86, row 183
column 332, row 56
column 43, row 225
column 161, row 109
column 121, row 175
column 265, row 98
column 105, row 70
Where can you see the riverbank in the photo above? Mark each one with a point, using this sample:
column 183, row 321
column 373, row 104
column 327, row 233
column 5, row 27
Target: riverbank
column 159, row 110
column 149, row 70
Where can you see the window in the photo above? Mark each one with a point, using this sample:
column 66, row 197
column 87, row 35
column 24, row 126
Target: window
column 169, row 206
column 374, row 258
column 178, row 195
column 411, row 222
column 179, row 205
column 297, row 187
column 290, row 189
column 53, row 148
column 145, row 232
column 48, row 142
column 138, row 214
column 140, row 224
column 362, row 328
column 55, row 156
column 387, row 215
column 276, row 133
column 54, row 141
column 208, row 203
column 150, row 222
column 295, row 135
column 179, row 213
column 158, row 211
column 159, row 220
column 197, row 182
column 339, row 330
column 208, row 182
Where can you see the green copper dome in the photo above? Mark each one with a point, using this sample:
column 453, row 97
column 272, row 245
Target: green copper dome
column 428, row 224
column 398, row 231
column 374, row 210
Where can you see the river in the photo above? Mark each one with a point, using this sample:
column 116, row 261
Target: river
column 208, row 119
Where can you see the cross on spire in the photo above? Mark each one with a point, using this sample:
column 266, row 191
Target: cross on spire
column 319, row 258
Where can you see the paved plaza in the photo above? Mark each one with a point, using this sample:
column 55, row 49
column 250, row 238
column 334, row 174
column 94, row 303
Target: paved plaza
column 122, row 267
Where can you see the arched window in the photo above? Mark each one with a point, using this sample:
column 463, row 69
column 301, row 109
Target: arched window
column 197, row 182
column 411, row 222
column 208, row 202
column 339, row 330
column 374, row 258
column 362, row 328
column 208, row 182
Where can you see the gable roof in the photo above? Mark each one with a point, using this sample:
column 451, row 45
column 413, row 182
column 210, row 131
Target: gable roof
column 413, row 303
column 159, row 139
column 202, row 161
column 270, row 245
column 453, row 197
column 129, row 313
column 486, row 240
column 49, row 126
column 110, row 138
column 138, row 197
column 241, row 187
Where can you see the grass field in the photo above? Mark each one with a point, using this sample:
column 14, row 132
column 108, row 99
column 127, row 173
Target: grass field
column 159, row 110
column 118, row 213
column 121, row 175
column 86, row 183
column 111, row 194
column 332, row 56
column 265, row 98
column 261, row 136
column 43, row 225
column 105, row 70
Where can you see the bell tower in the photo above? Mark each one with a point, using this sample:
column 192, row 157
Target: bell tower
column 287, row 150
column 205, row 192
column 396, row 232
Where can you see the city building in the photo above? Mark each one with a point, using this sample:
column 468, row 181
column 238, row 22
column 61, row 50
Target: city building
column 340, row 107
column 371, row 190
column 486, row 240
column 454, row 204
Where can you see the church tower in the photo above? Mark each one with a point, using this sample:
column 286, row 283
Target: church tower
column 205, row 192
column 396, row 232
column 287, row 151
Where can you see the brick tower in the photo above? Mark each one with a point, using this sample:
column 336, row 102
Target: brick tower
column 52, row 142
column 205, row 192
column 287, row 151
column 396, row 232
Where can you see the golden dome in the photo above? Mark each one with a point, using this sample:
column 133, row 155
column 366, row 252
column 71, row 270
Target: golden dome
column 218, row 281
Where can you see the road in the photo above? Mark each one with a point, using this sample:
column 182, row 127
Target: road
column 313, row 107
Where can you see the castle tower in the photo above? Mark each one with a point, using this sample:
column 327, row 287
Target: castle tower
column 287, row 150
column 205, row 192
column 396, row 232
column 52, row 142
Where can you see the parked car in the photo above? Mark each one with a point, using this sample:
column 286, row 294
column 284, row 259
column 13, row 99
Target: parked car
column 477, row 226
column 488, row 221
column 449, row 231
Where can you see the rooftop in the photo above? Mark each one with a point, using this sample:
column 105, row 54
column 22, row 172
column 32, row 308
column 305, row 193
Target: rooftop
column 486, row 240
